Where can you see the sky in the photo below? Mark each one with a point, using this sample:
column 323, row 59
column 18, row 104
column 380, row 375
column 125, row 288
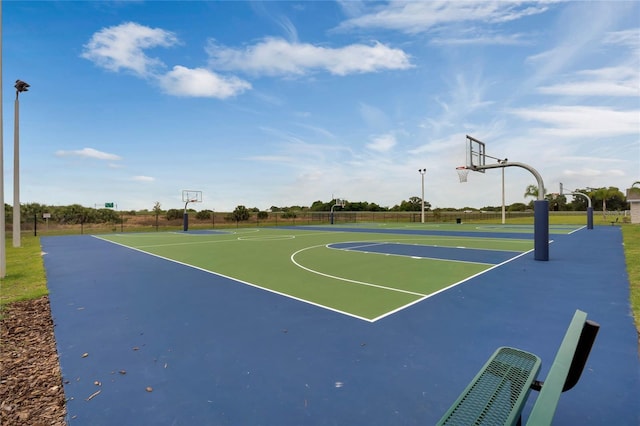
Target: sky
column 283, row 103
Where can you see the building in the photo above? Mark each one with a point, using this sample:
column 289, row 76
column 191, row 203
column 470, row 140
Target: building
column 633, row 197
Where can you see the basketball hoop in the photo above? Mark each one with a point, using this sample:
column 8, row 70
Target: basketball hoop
column 463, row 172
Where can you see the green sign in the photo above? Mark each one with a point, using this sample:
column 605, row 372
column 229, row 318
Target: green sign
column 108, row 205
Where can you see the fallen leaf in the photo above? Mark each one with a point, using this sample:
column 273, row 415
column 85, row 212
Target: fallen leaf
column 93, row 395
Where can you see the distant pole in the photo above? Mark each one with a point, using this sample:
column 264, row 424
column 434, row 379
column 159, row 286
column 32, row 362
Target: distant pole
column 503, row 205
column 3, row 254
column 422, row 172
column 20, row 86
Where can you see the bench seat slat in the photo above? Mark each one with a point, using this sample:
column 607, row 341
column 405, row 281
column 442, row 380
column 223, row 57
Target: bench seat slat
column 498, row 392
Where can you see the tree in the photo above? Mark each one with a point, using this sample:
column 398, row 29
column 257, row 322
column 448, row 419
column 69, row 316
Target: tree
column 517, row 207
column 558, row 203
column 240, row 213
column 157, row 209
column 263, row 215
column 32, row 210
column 173, row 214
column 204, row 214
column 609, row 198
column 319, row 206
column 413, row 205
column 531, row 191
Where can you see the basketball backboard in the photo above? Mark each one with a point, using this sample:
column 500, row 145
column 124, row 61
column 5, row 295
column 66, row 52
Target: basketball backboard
column 475, row 154
column 191, row 196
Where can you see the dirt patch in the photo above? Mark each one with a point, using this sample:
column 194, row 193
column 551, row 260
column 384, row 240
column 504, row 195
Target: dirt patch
column 31, row 390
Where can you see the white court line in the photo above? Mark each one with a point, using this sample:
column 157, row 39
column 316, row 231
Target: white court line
column 418, row 257
column 400, row 308
column 579, row 229
column 381, row 243
column 420, row 299
column 239, row 281
column 346, row 279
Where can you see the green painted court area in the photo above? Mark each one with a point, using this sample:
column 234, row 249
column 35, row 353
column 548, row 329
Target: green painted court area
column 363, row 274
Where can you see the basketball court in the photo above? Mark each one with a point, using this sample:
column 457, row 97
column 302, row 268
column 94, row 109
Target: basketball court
column 334, row 325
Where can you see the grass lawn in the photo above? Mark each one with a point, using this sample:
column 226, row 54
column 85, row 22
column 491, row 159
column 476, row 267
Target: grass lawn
column 25, row 278
column 631, row 235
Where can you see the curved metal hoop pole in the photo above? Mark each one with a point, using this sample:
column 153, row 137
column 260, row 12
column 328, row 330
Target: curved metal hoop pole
column 541, row 210
column 533, row 171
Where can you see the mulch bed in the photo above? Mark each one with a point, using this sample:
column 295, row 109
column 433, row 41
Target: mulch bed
column 31, row 391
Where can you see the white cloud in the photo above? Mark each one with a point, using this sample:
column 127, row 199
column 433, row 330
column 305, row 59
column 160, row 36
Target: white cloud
column 482, row 39
column 577, row 40
column 610, row 81
column 382, row 143
column 586, row 172
column 276, row 56
column 200, row 82
column 142, row 178
column 630, row 38
column 582, row 121
column 416, row 17
column 88, row 153
column 122, row 47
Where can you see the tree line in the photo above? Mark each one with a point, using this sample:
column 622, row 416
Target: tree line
column 603, row 199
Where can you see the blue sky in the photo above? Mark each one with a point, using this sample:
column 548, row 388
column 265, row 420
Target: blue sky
column 285, row 103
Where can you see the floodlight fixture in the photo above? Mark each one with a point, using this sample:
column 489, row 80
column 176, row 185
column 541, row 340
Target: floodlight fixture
column 21, row 86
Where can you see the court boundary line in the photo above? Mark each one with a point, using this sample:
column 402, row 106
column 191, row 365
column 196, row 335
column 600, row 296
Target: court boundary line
column 237, row 280
column 576, row 230
column 400, row 308
column 370, row 320
column 355, row 250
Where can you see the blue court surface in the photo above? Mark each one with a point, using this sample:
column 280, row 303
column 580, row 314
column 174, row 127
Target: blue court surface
column 146, row 341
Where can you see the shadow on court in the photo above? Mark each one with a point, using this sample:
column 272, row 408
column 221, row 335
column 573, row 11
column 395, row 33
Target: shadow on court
column 172, row 345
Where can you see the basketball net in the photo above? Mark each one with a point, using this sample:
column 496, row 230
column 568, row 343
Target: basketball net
column 463, row 172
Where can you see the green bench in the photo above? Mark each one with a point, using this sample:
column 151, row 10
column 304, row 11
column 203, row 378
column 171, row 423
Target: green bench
column 498, row 393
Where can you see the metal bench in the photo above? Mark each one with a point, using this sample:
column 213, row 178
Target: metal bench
column 498, row 393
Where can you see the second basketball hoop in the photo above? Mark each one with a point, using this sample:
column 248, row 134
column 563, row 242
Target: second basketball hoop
column 463, row 172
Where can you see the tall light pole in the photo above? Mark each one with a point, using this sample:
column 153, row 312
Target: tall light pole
column 20, row 86
column 503, row 207
column 422, row 172
column 3, row 255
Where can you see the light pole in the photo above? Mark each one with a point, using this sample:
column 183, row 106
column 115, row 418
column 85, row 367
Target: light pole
column 3, row 248
column 422, row 172
column 20, row 86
